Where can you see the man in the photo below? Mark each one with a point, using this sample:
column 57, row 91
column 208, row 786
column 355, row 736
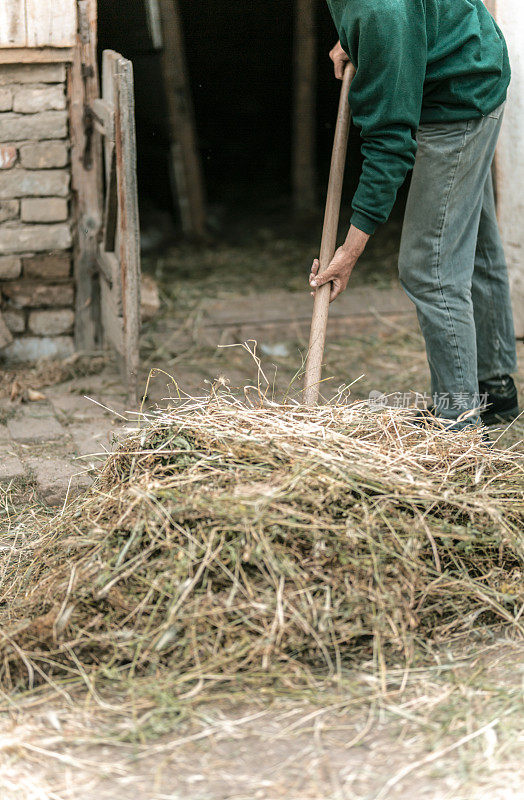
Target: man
column 429, row 92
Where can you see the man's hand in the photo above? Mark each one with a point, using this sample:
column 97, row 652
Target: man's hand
column 339, row 271
column 339, row 58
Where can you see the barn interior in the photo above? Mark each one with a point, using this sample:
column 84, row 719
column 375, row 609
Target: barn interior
column 241, row 79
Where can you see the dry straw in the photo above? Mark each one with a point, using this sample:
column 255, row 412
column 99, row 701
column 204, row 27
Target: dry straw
column 237, row 542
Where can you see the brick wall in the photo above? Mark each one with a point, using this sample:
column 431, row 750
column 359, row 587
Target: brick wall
column 36, row 285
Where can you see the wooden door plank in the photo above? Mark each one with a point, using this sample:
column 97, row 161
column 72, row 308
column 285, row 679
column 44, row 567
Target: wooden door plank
column 109, row 266
column 128, row 221
column 119, row 252
column 113, row 324
column 111, row 238
column 104, row 118
column 109, row 68
column 36, row 55
column 13, row 31
column 86, row 164
column 51, row 23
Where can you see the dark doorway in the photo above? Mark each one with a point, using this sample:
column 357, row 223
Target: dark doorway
column 240, row 66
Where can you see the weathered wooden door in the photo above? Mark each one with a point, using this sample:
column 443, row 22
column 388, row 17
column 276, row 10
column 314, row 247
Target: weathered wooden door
column 37, row 23
column 119, row 249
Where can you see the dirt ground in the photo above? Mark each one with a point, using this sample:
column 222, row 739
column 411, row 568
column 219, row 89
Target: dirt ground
column 449, row 732
column 451, row 729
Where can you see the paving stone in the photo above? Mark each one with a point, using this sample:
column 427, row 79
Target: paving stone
column 106, row 390
column 11, row 467
column 35, row 424
column 57, row 478
column 95, row 438
column 44, row 155
column 75, row 408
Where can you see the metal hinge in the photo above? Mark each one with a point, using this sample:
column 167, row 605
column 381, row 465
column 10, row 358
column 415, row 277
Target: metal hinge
column 89, row 129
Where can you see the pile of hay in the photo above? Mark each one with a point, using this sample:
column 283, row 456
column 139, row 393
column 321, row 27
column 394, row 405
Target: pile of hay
column 270, row 545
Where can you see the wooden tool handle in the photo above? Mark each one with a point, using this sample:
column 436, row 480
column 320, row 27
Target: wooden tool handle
column 329, row 243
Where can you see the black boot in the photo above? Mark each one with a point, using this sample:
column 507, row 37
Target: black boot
column 499, row 399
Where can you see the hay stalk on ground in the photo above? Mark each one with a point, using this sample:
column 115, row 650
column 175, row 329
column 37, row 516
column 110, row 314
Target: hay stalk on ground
column 231, row 543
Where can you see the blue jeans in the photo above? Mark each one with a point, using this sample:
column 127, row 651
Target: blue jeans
column 452, row 263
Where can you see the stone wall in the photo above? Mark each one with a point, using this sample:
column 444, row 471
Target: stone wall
column 36, row 284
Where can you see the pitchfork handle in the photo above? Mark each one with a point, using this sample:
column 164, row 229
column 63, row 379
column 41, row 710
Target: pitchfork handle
column 329, row 243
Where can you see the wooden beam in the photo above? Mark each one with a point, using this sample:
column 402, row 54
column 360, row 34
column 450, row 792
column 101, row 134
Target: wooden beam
column 186, row 170
column 154, row 23
column 36, row 55
column 83, row 89
column 119, row 250
column 305, row 84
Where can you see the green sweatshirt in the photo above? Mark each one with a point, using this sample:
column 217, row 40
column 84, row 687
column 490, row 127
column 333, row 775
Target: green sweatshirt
column 416, row 61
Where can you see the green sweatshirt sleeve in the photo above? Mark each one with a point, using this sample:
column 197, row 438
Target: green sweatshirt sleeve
column 387, row 42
